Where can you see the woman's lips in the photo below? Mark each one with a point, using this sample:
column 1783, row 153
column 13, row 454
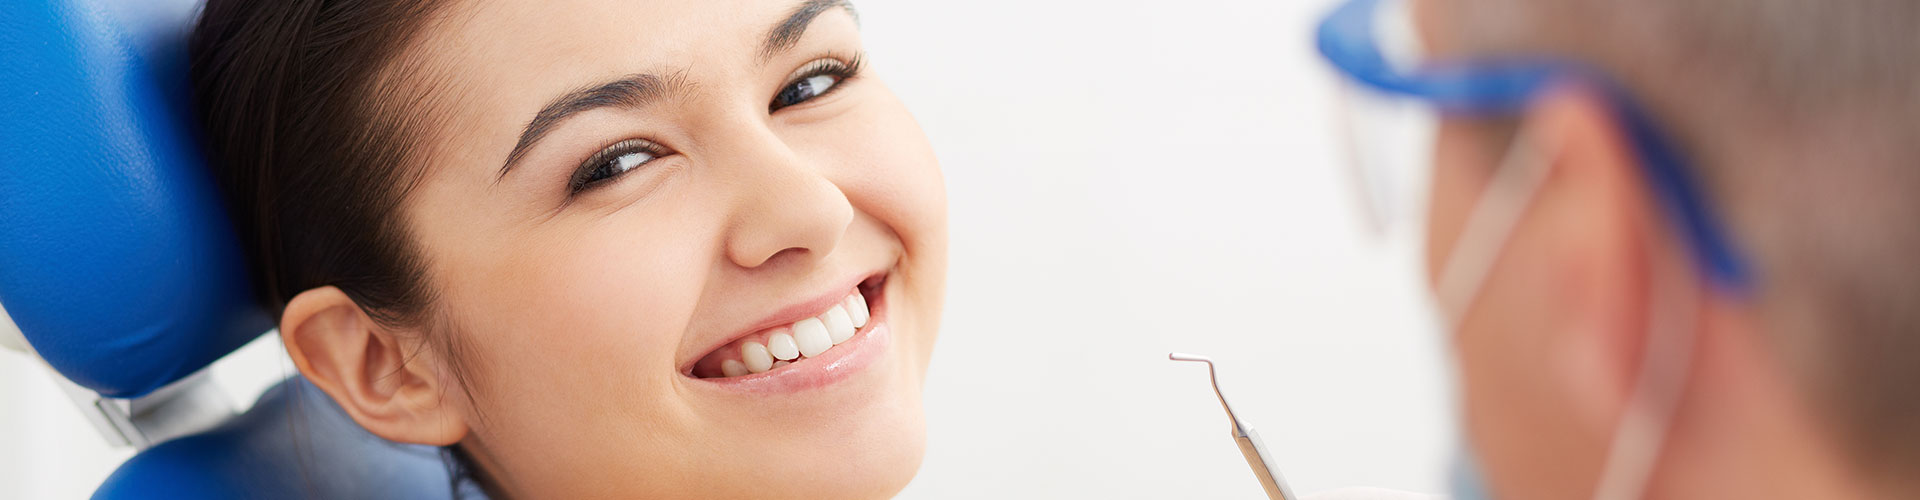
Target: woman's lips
column 827, row 324
column 863, row 347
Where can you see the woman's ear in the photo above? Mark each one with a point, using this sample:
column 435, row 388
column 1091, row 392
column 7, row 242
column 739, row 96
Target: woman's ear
column 391, row 384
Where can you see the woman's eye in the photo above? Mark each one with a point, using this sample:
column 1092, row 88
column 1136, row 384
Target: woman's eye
column 816, row 79
column 612, row 162
column 804, row 90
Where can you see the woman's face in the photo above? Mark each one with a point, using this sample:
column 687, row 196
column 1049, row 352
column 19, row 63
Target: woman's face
column 623, row 194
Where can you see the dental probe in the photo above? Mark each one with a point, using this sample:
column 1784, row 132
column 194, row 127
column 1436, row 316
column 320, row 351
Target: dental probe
column 1244, row 436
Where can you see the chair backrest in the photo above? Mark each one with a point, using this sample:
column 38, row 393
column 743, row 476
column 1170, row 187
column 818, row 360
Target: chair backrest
column 116, row 258
column 120, row 269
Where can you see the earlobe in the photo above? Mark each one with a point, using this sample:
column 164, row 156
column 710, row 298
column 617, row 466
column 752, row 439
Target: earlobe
column 388, row 381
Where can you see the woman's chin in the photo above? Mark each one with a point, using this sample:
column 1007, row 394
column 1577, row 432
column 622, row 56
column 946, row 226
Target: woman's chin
column 878, row 450
column 860, row 437
column 878, row 466
column 870, row 451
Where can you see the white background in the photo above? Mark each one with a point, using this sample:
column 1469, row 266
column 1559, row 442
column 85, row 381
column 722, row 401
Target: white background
column 1127, row 178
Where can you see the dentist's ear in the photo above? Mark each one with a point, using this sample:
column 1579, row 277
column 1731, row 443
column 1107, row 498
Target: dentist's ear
column 1549, row 343
column 390, row 382
column 1607, row 246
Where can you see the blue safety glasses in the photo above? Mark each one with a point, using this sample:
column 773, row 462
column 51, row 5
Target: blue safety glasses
column 1373, row 44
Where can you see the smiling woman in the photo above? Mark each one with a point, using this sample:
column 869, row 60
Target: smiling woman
column 596, row 249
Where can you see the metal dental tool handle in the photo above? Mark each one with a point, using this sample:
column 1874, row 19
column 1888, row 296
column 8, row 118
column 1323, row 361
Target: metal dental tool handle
column 1243, row 435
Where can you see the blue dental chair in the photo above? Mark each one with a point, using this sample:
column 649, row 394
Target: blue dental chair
column 119, row 269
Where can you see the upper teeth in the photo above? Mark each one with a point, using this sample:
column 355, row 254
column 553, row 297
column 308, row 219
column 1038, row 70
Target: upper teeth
column 782, row 346
column 812, row 336
column 808, row 337
column 857, row 309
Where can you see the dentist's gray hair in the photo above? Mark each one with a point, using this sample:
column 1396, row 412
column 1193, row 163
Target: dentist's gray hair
column 1804, row 117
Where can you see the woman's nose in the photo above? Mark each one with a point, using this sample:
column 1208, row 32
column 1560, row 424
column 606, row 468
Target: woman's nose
column 787, row 207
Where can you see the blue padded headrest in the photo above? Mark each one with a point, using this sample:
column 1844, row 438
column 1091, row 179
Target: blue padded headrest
column 294, row 443
column 117, row 260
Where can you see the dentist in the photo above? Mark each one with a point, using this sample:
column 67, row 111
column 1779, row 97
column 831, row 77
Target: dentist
column 1673, row 240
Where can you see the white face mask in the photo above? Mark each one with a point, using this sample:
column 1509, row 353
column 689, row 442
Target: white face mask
column 1658, row 387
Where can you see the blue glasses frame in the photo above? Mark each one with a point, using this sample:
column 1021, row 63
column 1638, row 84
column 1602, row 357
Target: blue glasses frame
column 1346, row 38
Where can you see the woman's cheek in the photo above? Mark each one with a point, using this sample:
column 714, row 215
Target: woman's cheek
column 907, row 194
column 899, row 177
column 601, row 306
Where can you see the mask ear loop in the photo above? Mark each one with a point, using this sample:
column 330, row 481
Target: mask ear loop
column 1490, row 223
column 1659, row 386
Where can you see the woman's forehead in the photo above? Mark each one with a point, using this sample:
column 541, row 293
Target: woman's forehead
column 534, row 37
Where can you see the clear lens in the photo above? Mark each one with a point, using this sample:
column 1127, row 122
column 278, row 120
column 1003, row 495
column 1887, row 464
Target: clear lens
column 1389, row 152
column 1389, row 138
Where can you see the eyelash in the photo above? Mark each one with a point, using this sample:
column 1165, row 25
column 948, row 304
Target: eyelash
column 582, row 179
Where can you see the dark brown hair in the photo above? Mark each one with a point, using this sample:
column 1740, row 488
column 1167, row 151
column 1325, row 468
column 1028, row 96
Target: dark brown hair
column 313, row 118
column 287, row 93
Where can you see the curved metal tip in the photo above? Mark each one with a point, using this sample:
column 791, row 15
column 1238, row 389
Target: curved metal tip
column 1181, row 356
column 1213, row 377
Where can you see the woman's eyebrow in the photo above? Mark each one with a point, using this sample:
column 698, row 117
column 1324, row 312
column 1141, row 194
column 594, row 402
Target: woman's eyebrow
column 785, row 35
column 629, row 91
column 638, row 89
